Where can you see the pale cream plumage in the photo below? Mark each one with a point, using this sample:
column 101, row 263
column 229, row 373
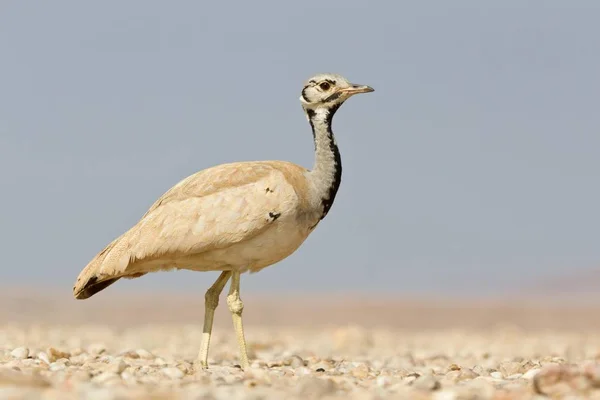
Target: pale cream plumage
column 216, row 219
column 234, row 217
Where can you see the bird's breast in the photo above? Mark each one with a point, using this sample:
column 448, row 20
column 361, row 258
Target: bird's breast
column 283, row 237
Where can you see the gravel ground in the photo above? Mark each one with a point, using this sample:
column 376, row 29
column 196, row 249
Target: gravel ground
column 141, row 360
column 156, row 362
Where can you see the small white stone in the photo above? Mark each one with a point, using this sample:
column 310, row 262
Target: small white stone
column 144, row 354
column 531, row 373
column 57, row 366
column 160, row 362
column 303, row 371
column 20, row 353
column 117, row 366
column 128, row 376
column 383, row 381
column 80, row 359
column 173, row 373
column 44, row 357
column 497, row 375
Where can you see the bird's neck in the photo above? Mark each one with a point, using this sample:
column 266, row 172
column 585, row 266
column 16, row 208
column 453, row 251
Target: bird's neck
column 327, row 171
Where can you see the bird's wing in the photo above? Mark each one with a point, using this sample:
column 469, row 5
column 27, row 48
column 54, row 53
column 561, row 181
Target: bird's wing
column 212, row 209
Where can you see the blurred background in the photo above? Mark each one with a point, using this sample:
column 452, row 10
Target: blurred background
column 471, row 172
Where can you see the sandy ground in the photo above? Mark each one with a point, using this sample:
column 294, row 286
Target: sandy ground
column 302, row 347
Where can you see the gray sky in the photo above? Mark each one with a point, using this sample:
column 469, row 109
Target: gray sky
column 472, row 167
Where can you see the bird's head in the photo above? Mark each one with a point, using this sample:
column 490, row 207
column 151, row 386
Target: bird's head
column 329, row 91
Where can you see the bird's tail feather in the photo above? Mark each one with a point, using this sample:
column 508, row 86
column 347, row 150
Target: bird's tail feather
column 94, row 278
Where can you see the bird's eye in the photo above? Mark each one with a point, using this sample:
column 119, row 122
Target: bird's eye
column 324, row 86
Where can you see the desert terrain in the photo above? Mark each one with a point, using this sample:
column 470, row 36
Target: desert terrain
column 143, row 346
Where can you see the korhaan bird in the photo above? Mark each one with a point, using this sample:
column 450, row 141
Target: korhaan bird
column 234, row 217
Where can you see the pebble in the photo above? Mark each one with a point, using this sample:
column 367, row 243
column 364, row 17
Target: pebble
column 57, row 366
column 531, row 373
column 509, row 368
column 383, row 381
column 325, row 366
column 294, row 361
column 467, row 374
column 20, row 353
column 128, row 377
column 144, row 354
column 54, row 354
column 497, row 375
column 44, row 357
column 426, row 382
column 173, row 373
column 117, row 366
column 79, row 359
column 159, row 362
column 360, row 372
column 130, row 354
column 186, row 368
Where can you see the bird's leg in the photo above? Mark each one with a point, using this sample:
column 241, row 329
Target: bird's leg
column 211, row 301
column 236, row 306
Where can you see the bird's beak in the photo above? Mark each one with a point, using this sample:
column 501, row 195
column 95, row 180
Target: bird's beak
column 355, row 89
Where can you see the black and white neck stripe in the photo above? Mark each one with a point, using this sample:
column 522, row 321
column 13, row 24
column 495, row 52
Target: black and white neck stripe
column 320, row 122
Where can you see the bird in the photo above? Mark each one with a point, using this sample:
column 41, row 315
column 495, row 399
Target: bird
column 233, row 217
